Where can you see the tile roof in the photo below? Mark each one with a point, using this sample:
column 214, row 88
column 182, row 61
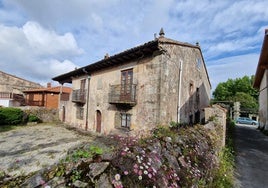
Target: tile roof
column 123, row 57
column 51, row 90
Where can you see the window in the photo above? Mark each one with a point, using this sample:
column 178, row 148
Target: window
column 83, row 84
column 79, row 112
column 125, row 120
column 198, row 63
column 191, row 88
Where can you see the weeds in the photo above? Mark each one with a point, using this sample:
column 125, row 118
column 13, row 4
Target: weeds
column 224, row 175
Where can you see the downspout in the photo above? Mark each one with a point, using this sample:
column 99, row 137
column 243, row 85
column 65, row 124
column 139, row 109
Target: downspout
column 179, row 93
column 87, row 99
column 61, row 87
column 59, row 101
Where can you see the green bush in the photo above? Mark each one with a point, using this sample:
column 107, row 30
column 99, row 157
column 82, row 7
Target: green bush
column 33, row 118
column 11, row 116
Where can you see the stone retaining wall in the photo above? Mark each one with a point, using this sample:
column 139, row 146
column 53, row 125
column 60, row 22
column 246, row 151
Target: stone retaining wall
column 46, row 115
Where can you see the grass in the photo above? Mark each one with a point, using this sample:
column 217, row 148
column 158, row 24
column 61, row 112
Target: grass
column 5, row 128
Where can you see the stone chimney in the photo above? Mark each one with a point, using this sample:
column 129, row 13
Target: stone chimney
column 106, row 56
column 48, row 85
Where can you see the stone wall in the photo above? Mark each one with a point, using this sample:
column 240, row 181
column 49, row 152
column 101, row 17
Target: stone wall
column 184, row 157
column 158, row 78
column 13, row 84
column 217, row 114
column 46, row 115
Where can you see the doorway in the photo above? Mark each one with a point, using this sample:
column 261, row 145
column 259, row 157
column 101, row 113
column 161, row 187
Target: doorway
column 98, row 114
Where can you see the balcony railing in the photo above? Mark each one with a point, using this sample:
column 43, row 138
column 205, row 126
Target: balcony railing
column 34, row 103
column 79, row 96
column 6, row 95
column 123, row 94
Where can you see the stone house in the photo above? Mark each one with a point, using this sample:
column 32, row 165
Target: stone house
column 261, row 83
column 11, row 89
column 152, row 84
column 48, row 97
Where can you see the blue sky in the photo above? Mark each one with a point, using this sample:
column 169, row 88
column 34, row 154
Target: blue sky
column 42, row 39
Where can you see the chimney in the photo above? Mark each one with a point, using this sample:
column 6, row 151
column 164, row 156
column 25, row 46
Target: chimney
column 48, row 85
column 106, row 56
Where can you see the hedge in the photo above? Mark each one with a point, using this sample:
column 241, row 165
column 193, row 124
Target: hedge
column 11, row 116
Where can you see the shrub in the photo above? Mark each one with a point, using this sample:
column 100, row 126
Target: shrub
column 33, row 118
column 11, row 116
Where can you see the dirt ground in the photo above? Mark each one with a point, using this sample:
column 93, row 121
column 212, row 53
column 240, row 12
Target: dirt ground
column 31, row 148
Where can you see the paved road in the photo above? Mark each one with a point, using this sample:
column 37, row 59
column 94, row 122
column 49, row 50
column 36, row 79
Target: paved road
column 252, row 157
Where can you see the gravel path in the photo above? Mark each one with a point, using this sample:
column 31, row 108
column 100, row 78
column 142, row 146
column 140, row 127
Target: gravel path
column 30, row 148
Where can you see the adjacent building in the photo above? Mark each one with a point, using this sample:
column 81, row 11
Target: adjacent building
column 48, row 97
column 11, row 89
column 161, row 81
column 261, row 83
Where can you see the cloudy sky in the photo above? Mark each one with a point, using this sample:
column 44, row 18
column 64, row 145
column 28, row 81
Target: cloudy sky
column 42, row 39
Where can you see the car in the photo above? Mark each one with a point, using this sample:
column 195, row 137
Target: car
column 246, row 120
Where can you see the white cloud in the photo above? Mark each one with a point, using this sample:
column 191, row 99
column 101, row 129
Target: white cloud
column 223, row 28
column 35, row 53
column 47, row 42
column 232, row 67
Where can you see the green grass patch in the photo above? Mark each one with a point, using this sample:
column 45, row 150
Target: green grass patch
column 5, row 128
column 224, row 177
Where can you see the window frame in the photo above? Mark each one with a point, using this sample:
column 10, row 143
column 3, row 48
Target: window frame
column 125, row 120
column 79, row 112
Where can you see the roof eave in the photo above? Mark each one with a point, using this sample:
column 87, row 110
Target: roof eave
column 125, row 56
column 263, row 62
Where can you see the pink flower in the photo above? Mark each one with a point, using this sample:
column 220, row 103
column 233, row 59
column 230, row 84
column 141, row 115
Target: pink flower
column 150, row 175
column 140, row 172
column 135, row 166
column 135, row 170
column 126, row 172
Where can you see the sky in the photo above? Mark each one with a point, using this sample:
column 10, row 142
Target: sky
column 43, row 39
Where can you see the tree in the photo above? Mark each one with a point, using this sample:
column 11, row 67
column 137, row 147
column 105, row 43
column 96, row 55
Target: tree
column 240, row 90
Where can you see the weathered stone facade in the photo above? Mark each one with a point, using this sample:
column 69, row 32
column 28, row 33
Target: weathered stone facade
column 169, row 83
column 11, row 87
column 218, row 114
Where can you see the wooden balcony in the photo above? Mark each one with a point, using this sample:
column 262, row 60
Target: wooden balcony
column 79, row 96
column 123, row 94
column 34, row 103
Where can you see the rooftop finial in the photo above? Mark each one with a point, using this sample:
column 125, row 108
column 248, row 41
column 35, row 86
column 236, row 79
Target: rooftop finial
column 162, row 33
column 197, row 43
